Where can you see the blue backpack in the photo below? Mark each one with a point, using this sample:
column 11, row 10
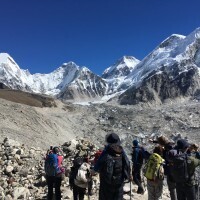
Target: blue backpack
column 51, row 165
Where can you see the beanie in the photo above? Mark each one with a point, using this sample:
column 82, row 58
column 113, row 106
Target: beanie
column 135, row 143
column 56, row 150
column 113, row 138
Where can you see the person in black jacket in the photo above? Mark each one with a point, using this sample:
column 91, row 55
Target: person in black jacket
column 114, row 168
column 137, row 159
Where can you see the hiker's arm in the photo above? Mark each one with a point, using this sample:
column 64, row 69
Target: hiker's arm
column 127, row 166
column 98, row 162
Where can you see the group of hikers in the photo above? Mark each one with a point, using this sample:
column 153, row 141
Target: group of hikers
column 175, row 161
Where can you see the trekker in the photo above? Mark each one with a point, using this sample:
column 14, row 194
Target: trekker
column 184, row 176
column 193, row 150
column 167, row 146
column 53, row 170
column 137, row 159
column 154, row 173
column 114, row 168
column 79, row 179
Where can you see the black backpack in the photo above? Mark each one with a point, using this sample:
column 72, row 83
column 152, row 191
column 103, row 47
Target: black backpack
column 178, row 166
column 140, row 155
column 116, row 169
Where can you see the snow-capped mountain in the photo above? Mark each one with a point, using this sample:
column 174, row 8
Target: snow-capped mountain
column 11, row 75
column 67, row 82
column 169, row 71
column 115, row 74
column 86, row 86
column 121, row 68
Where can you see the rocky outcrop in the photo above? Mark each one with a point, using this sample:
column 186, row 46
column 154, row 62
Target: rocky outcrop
column 3, row 86
column 163, row 85
column 22, row 169
column 87, row 85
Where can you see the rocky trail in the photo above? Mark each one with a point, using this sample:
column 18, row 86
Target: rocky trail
column 23, row 177
column 31, row 130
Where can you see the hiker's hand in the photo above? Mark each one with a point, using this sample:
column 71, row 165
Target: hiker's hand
column 150, row 140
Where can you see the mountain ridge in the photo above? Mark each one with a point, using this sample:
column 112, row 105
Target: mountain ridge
column 174, row 56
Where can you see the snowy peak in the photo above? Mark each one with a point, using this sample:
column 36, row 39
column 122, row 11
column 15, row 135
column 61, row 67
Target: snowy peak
column 122, row 67
column 173, row 40
column 8, row 62
column 6, row 59
column 170, row 70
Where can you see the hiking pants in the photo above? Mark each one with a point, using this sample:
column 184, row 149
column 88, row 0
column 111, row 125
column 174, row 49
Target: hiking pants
column 53, row 181
column 155, row 189
column 171, row 187
column 108, row 192
column 78, row 192
column 185, row 192
column 137, row 176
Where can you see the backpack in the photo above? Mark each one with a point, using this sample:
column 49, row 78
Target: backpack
column 82, row 175
column 178, row 165
column 51, row 165
column 138, row 155
column 153, row 169
column 74, row 169
column 115, row 168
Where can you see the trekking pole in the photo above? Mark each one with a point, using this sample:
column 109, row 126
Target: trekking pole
column 130, row 190
column 88, row 176
column 130, row 179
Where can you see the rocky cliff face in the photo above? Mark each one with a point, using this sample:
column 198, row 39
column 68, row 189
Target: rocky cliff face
column 171, row 71
column 158, row 87
column 86, row 86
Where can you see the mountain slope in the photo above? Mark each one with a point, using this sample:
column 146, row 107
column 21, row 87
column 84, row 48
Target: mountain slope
column 170, row 71
column 115, row 74
column 86, row 86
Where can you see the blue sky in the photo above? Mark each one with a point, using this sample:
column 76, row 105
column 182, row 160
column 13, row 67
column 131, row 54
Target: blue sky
column 42, row 34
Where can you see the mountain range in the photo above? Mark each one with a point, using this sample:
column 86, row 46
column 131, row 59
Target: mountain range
column 170, row 71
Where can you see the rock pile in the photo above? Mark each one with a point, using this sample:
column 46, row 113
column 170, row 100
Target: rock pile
column 22, row 169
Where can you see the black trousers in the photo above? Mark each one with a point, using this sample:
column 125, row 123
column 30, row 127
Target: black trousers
column 108, row 192
column 78, row 192
column 185, row 192
column 53, row 181
column 137, row 175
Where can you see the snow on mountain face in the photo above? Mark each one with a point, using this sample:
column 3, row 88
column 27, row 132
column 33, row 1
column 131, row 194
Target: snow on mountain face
column 11, row 75
column 177, row 56
column 175, row 49
column 68, row 81
column 115, row 74
column 171, row 70
column 86, row 86
column 121, row 68
column 51, row 84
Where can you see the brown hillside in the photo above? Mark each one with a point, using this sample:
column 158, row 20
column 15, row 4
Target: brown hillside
column 27, row 98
